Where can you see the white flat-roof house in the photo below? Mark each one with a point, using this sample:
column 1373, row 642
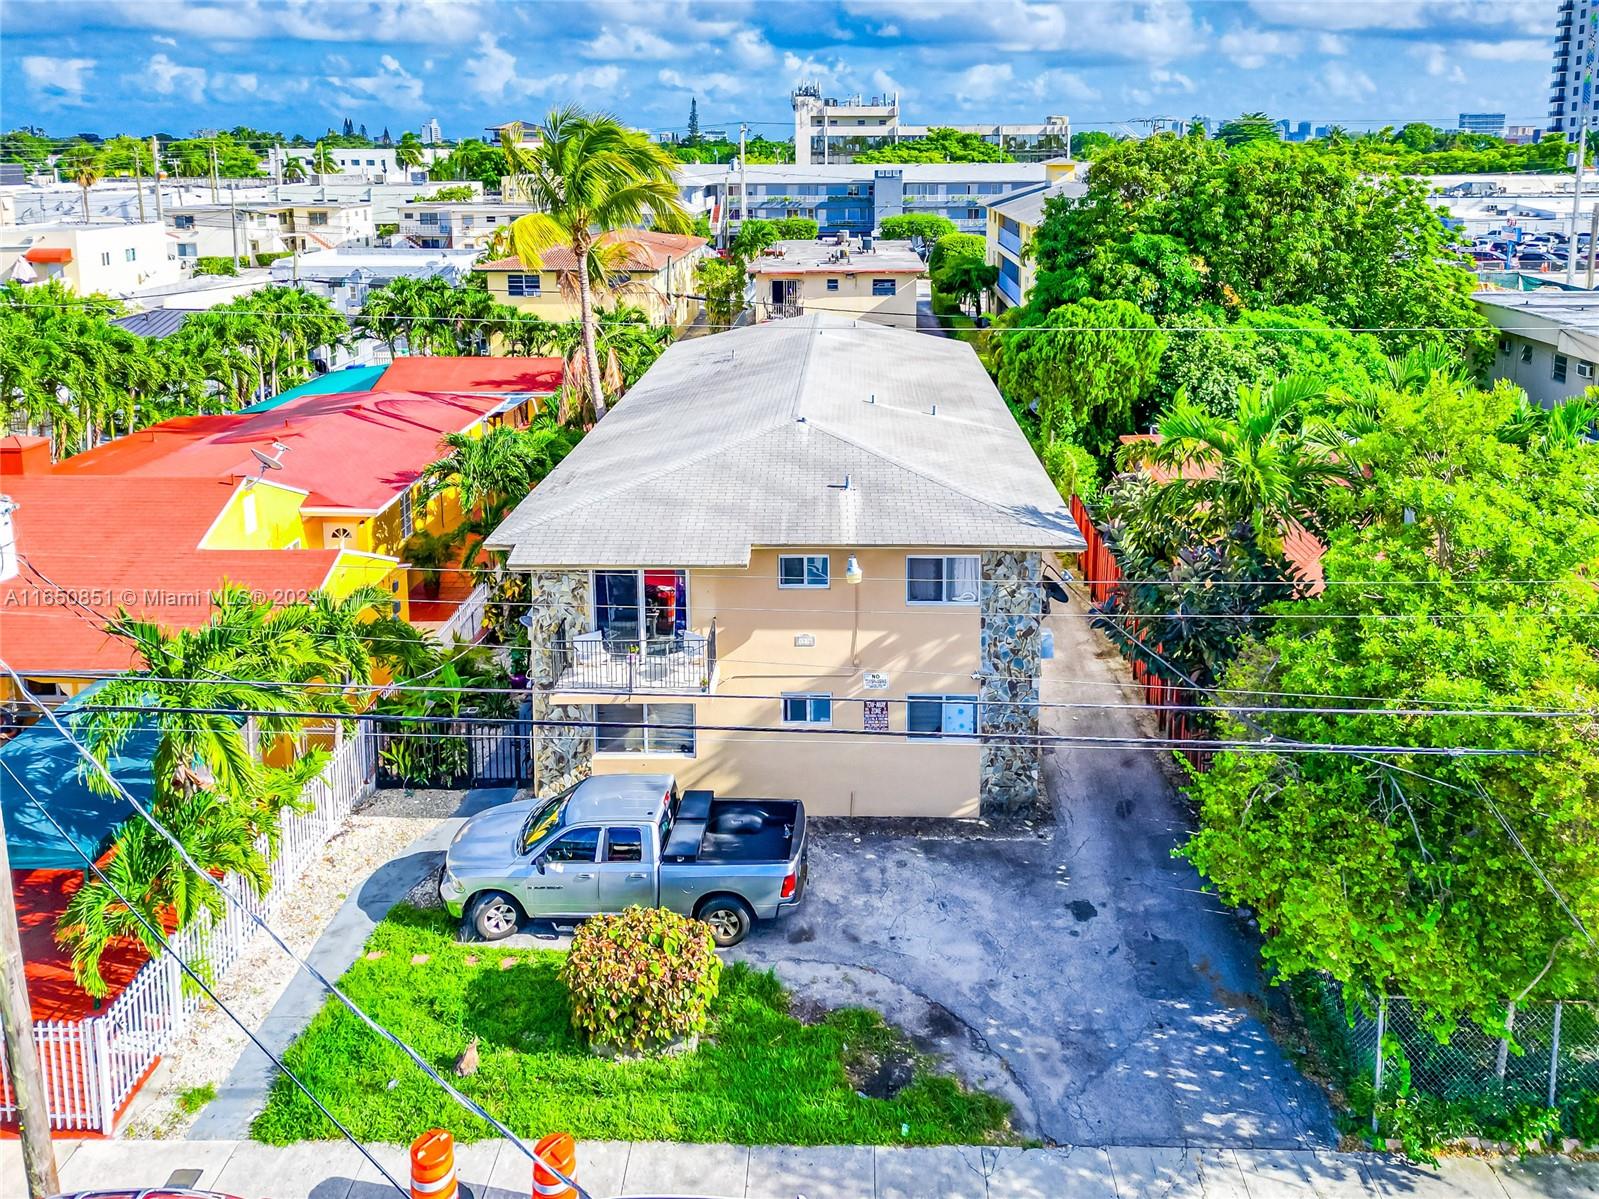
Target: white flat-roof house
column 1548, row 341
column 825, row 528
column 456, row 224
column 114, row 258
column 871, row 280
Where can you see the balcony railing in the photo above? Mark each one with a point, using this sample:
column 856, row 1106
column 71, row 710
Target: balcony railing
column 629, row 665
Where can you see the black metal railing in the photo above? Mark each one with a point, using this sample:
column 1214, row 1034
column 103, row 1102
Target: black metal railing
column 624, row 665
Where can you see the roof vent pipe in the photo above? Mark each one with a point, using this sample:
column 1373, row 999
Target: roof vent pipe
column 934, row 411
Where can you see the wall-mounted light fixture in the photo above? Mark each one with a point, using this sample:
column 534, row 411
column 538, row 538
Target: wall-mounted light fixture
column 852, row 570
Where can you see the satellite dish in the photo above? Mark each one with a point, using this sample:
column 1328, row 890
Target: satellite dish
column 268, row 462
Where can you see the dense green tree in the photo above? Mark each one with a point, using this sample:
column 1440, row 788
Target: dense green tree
column 1248, row 128
column 1464, row 583
column 1090, row 142
column 796, row 228
column 724, row 282
column 1085, row 369
column 470, row 159
column 1173, row 223
column 928, row 226
column 959, row 267
column 941, row 144
column 693, row 138
column 21, row 145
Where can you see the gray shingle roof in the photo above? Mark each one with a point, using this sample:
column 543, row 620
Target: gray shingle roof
column 746, row 438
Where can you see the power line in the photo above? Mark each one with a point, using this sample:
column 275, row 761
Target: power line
column 93, row 867
column 332, row 988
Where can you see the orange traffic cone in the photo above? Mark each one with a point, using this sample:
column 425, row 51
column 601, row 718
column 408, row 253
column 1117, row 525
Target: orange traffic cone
column 560, row 1151
column 433, row 1165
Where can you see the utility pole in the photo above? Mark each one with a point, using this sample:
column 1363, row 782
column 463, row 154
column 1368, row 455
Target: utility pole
column 233, row 219
column 138, row 179
column 1576, row 201
column 22, row 1055
column 215, row 199
column 155, row 161
column 743, row 179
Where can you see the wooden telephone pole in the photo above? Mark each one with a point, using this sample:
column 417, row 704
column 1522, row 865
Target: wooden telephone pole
column 22, row 1055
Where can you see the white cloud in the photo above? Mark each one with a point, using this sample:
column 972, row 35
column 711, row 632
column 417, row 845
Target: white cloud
column 1332, row 43
column 406, row 21
column 885, row 84
column 168, row 78
column 708, row 83
column 161, row 40
column 983, row 82
column 828, row 74
column 1346, row 83
column 1509, row 50
column 393, row 85
column 630, row 43
column 1057, row 84
column 1167, row 82
column 57, row 81
column 493, row 71
column 1438, row 62
column 751, row 48
column 1252, row 49
column 1156, row 32
column 889, row 30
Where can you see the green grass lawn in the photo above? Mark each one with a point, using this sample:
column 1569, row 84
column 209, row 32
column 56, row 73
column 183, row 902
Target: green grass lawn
column 759, row 1077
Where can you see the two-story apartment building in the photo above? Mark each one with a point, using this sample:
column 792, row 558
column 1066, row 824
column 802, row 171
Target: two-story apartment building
column 221, row 230
column 1548, row 341
column 657, row 272
column 456, row 224
column 872, row 280
column 328, row 225
column 1013, row 221
column 111, row 257
column 804, row 558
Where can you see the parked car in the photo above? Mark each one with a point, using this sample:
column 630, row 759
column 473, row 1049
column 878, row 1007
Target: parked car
column 615, row 841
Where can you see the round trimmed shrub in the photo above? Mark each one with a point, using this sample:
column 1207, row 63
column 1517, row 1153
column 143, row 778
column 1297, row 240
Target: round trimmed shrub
column 641, row 981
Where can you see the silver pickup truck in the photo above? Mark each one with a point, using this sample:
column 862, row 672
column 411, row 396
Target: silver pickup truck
column 614, row 841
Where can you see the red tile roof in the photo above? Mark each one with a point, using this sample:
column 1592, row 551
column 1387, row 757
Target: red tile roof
column 468, row 375
column 647, row 251
column 1301, row 549
column 124, row 542
column 357, row 450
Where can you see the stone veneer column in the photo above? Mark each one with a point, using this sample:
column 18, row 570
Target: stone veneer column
column 1010, row 608
column 559, row 603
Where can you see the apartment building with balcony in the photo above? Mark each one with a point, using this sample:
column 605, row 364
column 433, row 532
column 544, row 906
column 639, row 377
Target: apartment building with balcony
column 309, row 225
column 830, row 129
column 1013, row 221
column 856, row 198
column 222, row 230
column 1572, row 103
column 803, row 559
column 456, row 224
column 865, row 279
column 114, row 258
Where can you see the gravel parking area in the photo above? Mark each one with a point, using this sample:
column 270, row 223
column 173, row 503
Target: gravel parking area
column 374, row 834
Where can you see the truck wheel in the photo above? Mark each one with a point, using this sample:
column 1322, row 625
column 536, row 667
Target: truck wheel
column 494, row 916
column 729, row 918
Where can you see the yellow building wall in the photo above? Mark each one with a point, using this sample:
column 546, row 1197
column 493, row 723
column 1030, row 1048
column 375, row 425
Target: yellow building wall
column 860, row 628
column 676, row 279
column 853, row 298
column 353, row 570
column 276, row 522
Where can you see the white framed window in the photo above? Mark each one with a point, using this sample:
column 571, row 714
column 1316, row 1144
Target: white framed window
column 407, row 514
column 1584, row 370
column 1504, row 345
column 949, row 579
column 941, row 716
column 883, row 287
column 319, row 218
column 131, row 254
column 807, row 707
column 644, row 729
column 521, row 285
column 1558, row 373
column 804, row 570
column 1526, row 353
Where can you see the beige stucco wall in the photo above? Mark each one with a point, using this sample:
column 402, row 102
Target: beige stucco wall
column 853, row 298
column 866, row 627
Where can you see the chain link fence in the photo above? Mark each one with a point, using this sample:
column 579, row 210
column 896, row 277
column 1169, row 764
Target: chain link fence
column 1549, row 1060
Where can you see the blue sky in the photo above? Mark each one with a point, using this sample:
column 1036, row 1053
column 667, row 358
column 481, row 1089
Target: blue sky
column 302, row 65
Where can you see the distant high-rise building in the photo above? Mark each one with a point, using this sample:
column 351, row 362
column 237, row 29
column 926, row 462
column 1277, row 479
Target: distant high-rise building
column 1571, row 95
column 1483, row 122
column 431, row 132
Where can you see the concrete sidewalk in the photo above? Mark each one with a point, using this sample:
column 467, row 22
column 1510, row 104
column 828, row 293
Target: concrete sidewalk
column 496, row 1170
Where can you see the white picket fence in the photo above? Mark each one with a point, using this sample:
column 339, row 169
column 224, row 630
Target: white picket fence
column 467, row 623
column 92, row 1066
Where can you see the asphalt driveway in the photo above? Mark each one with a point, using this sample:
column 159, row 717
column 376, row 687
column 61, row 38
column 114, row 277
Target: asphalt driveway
column 1082, row 971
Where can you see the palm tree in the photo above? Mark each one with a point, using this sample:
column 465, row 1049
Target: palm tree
column 294, row 169
column 590, row 175
column 491, row 474
column 322, row 160
column 81, row 163
column 408, row 152
column 1257, row 474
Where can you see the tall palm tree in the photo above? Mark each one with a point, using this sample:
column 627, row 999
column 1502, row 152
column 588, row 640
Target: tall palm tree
column 408, row 151
column 322, row 160
column 82, row 165
column 294, row 170
column 1258, row 473
column 590, row 175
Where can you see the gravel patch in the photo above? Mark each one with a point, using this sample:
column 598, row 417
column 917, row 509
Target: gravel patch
column 213, row 1043
column 401, row 802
